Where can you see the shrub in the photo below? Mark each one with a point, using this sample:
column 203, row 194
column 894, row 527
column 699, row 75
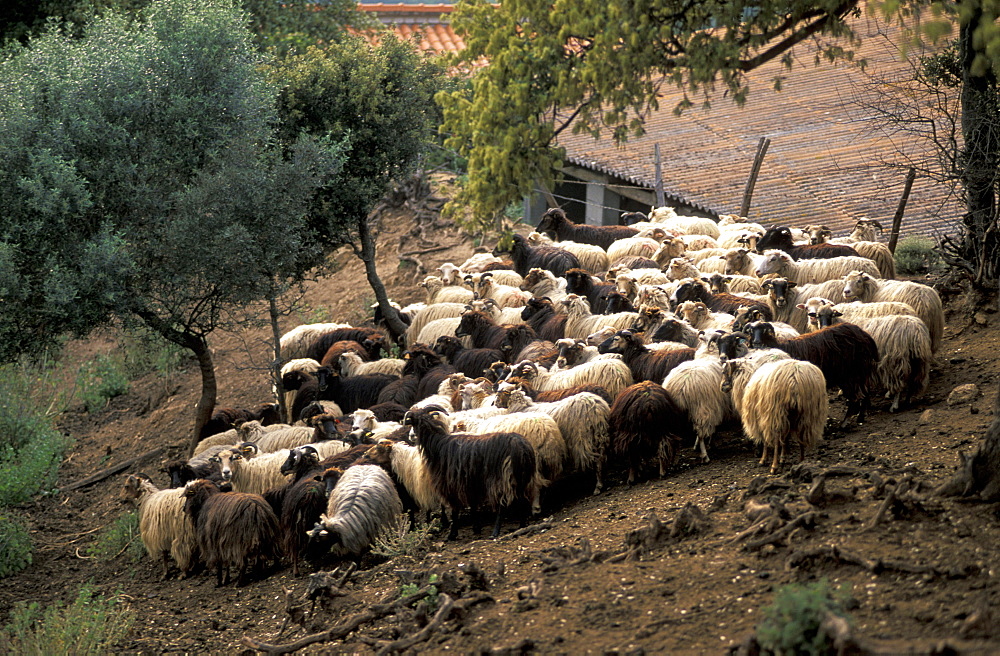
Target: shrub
column 90, row 625
column 100, row 380
column 121, row 536
column 916, row 255
column 30, row 446
column 791, row 624
column 401, row 540
column 15, row 546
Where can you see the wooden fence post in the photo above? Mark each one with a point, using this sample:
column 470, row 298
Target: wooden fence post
column 661, row 198
column 897, row 219
column 752, row 180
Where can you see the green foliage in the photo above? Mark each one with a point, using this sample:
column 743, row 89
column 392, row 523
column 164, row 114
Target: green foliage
column 294, row 25
column 100, row 380
column 376, row 99
column 400, row 539
column 120, row 537
column 92, row 624
column 433, row 598
column 15, row 546
column 30, row 446
column 916, row 255
column 791, row 624
column 142, row 178
column 146, row 352
column 596, row 66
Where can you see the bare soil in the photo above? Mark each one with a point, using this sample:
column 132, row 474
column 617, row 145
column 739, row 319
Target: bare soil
column 567, row 589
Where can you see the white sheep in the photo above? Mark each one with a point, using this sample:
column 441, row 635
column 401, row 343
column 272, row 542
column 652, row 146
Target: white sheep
column 580, row 322
column 365, row 426
column 700, row 317
column 351, row 364
column 305, row 365
column 542, row 283
column 477, row 262
column 164, row 527
column 583, row 423
column 610, row 373
column 439, row 292
column 904, row 346
column 632, row 246
column 785, row 405
column 507, row 277
column 688, row 225
column 363, row 504
column 670, row 247
column 781, row 264
column 430, row 332
column 228, row 438
column 505, row 296
column 407, row 463
column 698, row 242
column 735, row 284
column 784, row 297
column 924, row 300
column 680, row 268
column 740, row 261
column 429, row 314
column 696, row 388
column 736, row 372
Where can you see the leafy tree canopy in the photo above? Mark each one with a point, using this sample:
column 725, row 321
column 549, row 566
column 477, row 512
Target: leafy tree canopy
column 597, row 66
column 141, row 177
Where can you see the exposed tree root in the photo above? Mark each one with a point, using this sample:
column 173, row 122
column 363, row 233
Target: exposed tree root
column 875, row 566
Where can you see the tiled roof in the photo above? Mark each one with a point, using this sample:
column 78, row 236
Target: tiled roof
column 426, row 20
column 824, row 163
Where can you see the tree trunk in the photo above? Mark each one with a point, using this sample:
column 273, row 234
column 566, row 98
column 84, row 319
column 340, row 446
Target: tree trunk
column 209, row 388
column 367, row 255
column 979, row 160
column 978, row 475
column 279, row 389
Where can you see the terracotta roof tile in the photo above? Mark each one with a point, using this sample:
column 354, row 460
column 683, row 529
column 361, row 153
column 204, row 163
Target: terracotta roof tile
column 824, row 163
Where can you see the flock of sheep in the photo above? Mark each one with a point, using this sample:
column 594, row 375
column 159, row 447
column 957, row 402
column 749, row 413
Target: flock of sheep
column 578, row 349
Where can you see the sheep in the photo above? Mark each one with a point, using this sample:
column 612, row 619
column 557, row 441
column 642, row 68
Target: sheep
column 471, row 362
column 643, row 420
column 855, row 310
column 551, row 258
column 255, row 475
column 592, row 258
column 737, row 371
column 747, row 315
column 609, row 372
column 226, row 440
column 295, row 343
column 680, row 268
column 429, row 314
column 351, row 364
column 500, row 315
column 573, row 352
column 582, row 419
column 643, row 363
column 352, row 393
column 781, row 238
column 542, row 316
column 863, row 240
column 733, row 284
column 476, row 263
column 505, row 295
column 406, row 465
column 365, row 427
column 635, row 245
column 696, row 389
column 670, row 248
column 494, row 471
column 784, row 405
column 923, row 299
column 687, row 225
column 656, row 326
column 484, row 332
column 302, row 503
column 581, row 283
column 812, row 271
column 362, row 505
column 784, row 297
column 439, row 292
column 580, row 322
column 163, row 526
column 304, row 365
column 317, row 350
column 332, row 356
column 697, row 290
column 307, row 389
column 542, row 284
column 440, row 327
column 639, row 276
column 225, row 418
column 698, row 315
column 846, row 354
column 273, row 441
column 505, row 277
column 741, row 261
column 905, row 346
column 554, row 220
column 543, row 433
column 632, row 262
column 737, row 238
column 235, row 530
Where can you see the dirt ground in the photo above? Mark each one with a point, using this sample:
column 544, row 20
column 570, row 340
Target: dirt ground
column 923, row 580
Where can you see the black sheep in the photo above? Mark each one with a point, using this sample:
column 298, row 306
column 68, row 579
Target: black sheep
column 644, row 363
column 541, row 315
column 472, row 362
column 643, row 422
column 224, row 419
column 554, row 221
column 780, row 237
column 581, row 283
column 697, row 290
column 551, row 258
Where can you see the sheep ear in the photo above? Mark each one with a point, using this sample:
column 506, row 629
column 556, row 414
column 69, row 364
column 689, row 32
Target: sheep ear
column 838, row 314
column 790, row 283
column 801, row 306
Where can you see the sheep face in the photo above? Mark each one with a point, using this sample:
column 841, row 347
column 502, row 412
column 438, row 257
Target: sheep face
column 857, row 285
column 733, row 345
column 744, row 315
column 761, row 334
column 380, row 454
column 227, row 460
column 299, row 457
column 736, row 260
column 773, row 262
column 778, row 289
column 569, row 352
column 550, row 222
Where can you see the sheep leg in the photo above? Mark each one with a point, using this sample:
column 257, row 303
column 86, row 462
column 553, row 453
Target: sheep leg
column 496, row 525
column 218, row 575
column 779, row 455
column 453, row 532
column 895, row 402
column 702, row 450
column 763, row 455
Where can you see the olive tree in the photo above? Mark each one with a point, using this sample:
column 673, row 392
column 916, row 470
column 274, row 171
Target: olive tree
column 144, row 179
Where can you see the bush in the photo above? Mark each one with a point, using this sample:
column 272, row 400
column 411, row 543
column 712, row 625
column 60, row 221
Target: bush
column 30, row 446
column 401, row 540
column 121, row 536
column 791, row 624
column 90, row 625
column 15, row 547
column 100, row 380
column 916, row 255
